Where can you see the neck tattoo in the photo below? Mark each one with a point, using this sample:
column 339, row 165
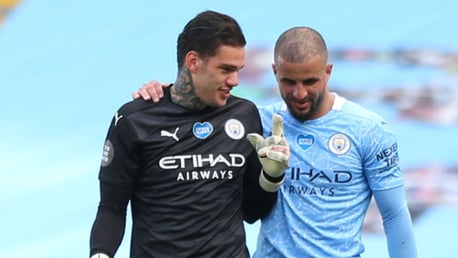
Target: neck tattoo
column 183, row 92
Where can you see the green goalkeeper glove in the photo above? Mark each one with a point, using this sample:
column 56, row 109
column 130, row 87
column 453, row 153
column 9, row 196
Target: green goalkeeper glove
column 273, row 153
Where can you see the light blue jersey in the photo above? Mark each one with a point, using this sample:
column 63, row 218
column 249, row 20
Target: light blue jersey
column 336, row 162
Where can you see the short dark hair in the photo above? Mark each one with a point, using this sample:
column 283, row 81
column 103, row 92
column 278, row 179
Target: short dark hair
column 299, row 44
column 206, row 32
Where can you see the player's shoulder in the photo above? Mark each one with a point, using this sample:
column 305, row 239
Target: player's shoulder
column 241, row 101
column 274, row 108
column 242, row 105
column 361, row 115
column 134, row 107
column 356, row 110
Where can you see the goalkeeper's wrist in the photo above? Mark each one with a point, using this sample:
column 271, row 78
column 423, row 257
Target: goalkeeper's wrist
column 269, row 183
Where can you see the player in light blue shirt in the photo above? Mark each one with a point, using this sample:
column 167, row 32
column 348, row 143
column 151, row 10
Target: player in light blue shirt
column 341, row 156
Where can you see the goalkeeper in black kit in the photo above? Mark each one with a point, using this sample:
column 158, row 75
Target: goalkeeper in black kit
column 184, row 163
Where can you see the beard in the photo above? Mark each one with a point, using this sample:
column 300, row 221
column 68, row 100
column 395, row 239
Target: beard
column 304, row 115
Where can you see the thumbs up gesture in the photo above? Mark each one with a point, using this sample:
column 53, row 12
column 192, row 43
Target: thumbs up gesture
column 273, row 153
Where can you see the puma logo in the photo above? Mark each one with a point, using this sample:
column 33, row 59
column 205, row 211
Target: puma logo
column 117, row 118
column 169, row 134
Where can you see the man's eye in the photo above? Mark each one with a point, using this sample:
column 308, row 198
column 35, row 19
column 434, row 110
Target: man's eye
column 310, row 82
column 289, row 82
column 228, row 70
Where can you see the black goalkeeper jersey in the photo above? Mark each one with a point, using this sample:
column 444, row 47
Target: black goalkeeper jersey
column 186, row 170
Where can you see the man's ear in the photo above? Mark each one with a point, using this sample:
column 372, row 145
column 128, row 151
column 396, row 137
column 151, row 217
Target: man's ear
column 192, row 61
column 274, row 69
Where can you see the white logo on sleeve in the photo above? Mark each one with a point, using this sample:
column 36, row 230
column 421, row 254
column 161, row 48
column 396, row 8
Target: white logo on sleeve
column 108, row 153
column 117, row 118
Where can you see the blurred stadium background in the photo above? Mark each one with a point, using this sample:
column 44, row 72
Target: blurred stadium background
column 66, row 66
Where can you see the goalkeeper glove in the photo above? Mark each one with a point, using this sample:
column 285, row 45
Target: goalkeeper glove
column 273, row 153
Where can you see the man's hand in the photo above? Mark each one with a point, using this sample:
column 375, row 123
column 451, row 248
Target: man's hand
column 273, row 153
column 150, row 90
